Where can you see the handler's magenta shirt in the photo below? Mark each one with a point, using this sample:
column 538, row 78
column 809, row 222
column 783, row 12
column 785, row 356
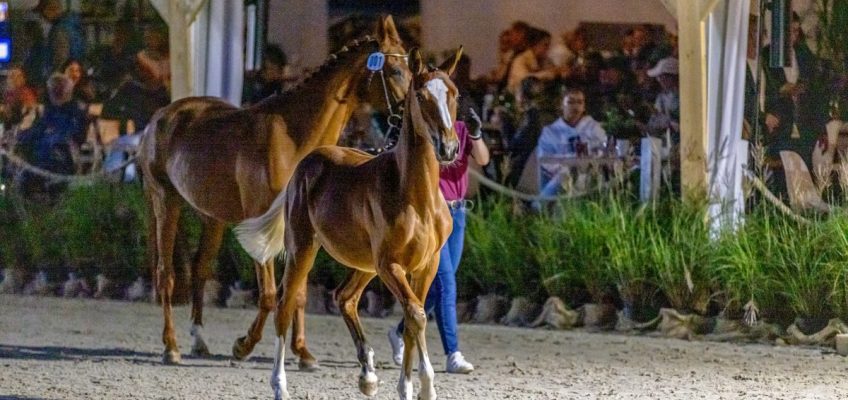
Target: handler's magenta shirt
column 453, row 179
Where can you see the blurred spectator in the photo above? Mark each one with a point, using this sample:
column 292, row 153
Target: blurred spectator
column 516, row 42
column 114, row 62
column 59, row 131
column 533, row 118
column 794, row 116
column 574, row 134
column 505, row 55
column 20, row 101
column 667, row 106
column 614, row 90
column 637, row 47
column 271, row 78
column 138, row 99
column 83, row 88
column 30, row 53
column 153, row 62
column 533, row 61
column 576, row 72
column 65, row 40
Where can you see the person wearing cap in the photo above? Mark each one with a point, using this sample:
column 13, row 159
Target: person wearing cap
column 667, row 106
column 65, row 39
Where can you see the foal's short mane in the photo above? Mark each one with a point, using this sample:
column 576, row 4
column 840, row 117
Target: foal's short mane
column 344, row 57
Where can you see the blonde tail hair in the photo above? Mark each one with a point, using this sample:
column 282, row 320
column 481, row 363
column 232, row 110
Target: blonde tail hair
column 263, row 237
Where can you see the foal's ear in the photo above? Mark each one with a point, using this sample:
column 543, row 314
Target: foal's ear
column 387, row 32
column 450, row 64
column 416, row 64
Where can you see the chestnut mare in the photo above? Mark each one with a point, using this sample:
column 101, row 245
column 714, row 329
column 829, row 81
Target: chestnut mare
column 379, row 215
column 229, row 164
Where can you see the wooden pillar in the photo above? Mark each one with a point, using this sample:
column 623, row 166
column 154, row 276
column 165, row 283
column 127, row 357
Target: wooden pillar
column 693, row 98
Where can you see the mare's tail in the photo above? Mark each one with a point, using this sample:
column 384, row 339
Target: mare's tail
column 263, row 237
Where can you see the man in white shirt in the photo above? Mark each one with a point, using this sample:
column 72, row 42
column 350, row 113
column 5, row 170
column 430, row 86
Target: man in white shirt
column 569, row 136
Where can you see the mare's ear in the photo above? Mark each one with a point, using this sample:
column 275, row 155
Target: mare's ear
column 387, row 33
column 450, row 64
column 416, row 64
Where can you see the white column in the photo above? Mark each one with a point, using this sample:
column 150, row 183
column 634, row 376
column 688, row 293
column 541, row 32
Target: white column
column 224, row 58
column 728, row 34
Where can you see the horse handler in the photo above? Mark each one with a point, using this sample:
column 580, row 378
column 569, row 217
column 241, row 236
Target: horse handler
column 441, row 299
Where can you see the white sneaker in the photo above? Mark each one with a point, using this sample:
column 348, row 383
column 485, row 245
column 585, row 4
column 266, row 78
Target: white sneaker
column 396, row 341
column 457, row 364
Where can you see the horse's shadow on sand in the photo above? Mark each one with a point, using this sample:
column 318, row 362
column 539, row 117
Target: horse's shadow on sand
column 57, row 353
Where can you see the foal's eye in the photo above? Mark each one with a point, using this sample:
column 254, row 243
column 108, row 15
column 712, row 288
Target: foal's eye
column 396, row 71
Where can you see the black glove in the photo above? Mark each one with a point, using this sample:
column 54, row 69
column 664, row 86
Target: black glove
column 474, row 124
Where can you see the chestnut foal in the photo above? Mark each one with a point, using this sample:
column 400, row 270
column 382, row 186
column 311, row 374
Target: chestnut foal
column 381, row 216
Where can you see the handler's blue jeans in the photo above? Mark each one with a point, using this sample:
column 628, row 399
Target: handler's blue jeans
column 441, row 298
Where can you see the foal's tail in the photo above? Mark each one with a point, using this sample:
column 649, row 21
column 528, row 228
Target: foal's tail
column 263, row 237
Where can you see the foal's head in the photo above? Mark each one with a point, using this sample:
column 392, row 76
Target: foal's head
column 437, row 98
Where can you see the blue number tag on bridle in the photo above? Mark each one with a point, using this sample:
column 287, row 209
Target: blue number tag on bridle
column 376, row 61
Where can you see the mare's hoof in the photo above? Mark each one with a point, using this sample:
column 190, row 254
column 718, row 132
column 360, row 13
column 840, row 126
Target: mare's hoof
column 308, row 365
column 239, row 351
column 369, row 384
column 171, row 357
column 199, row 349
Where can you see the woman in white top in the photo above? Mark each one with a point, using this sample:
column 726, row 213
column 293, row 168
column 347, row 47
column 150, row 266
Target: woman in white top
column 533, row 61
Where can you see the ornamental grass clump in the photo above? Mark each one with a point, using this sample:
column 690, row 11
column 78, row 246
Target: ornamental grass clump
column 628, row 263
column 837, row 234
column 803, row 269
column 744, row 266
column 681, row 253
column 497, row 257
column 570, row 247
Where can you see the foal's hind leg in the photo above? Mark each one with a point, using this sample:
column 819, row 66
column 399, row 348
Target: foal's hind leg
column 210, row 243
column 306, row 361
column 348, row 300
column 267, row 300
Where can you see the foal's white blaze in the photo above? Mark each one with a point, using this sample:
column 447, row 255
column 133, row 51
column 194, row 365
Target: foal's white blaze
column 439, row 90
column 278, row 374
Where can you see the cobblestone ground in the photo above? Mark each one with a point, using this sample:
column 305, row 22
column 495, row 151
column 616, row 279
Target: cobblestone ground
column 86, row 349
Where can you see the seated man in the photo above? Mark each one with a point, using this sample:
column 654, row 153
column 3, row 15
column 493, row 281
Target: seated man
column 574, row 134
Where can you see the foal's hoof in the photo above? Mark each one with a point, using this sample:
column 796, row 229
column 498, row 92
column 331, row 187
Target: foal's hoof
column 308, row 364
column 369, row 384
column 239, row 351
column 171, row 357
column 199, row 349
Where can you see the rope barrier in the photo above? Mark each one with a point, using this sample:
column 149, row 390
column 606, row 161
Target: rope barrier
column 761, row 187
column 484, row 180
column 54, row 177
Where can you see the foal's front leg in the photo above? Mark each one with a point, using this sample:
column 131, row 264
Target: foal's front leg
column 415, row 322
column 421, row 285
column 348, row 299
